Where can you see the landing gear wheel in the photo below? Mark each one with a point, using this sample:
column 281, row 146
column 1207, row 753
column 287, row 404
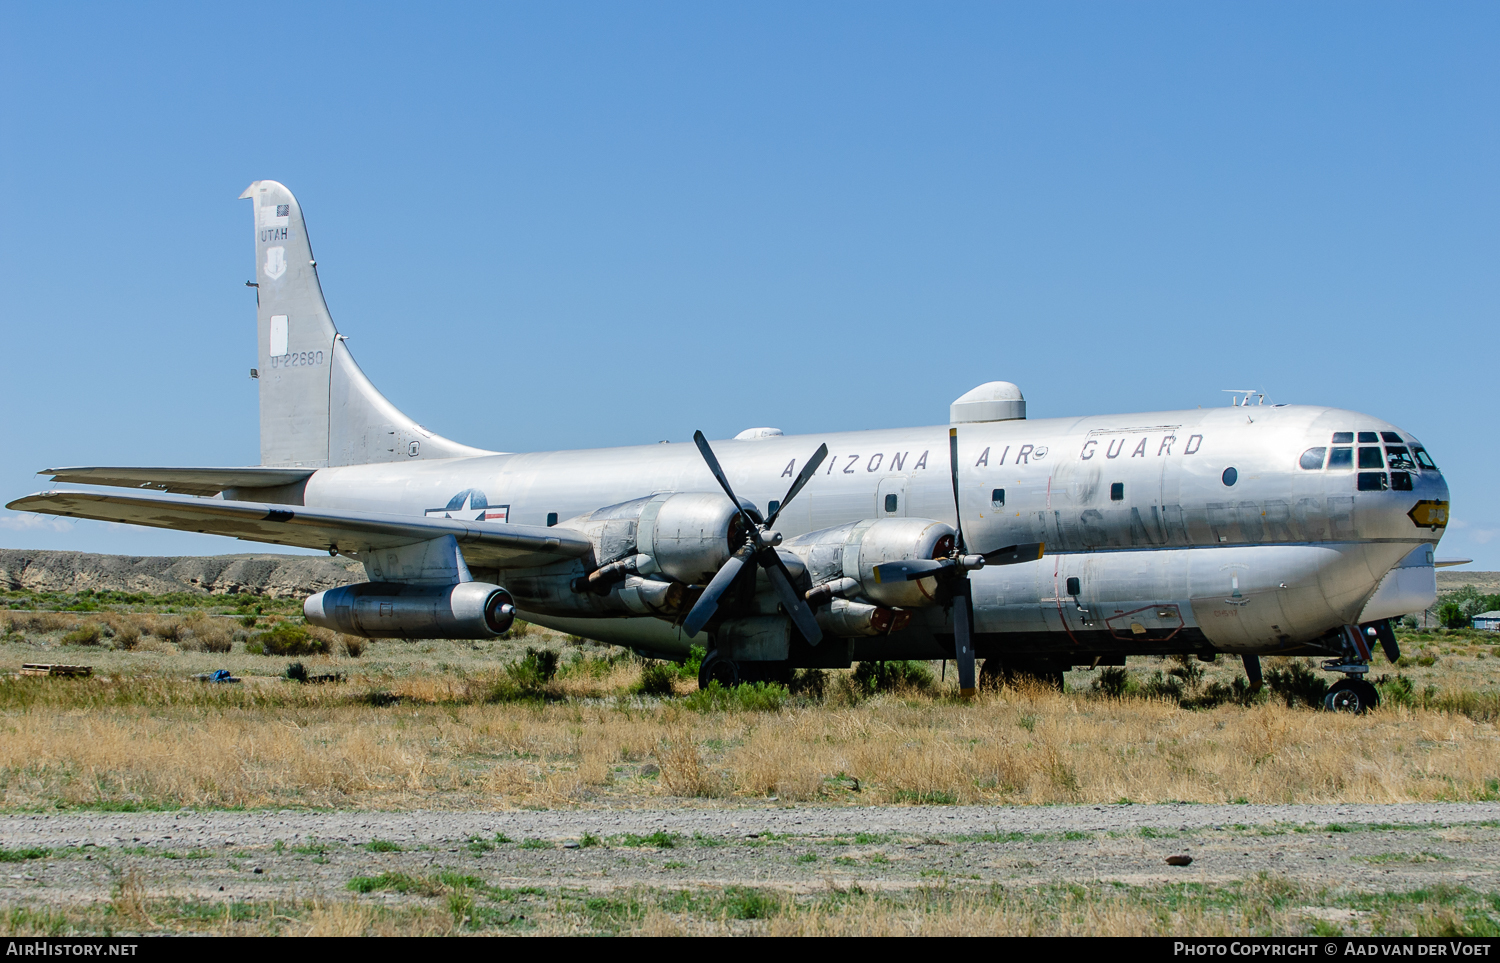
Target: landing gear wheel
column 1351, row 695
column 715, row 669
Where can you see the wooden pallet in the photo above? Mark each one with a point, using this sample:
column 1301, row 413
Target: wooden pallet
column 42, row 668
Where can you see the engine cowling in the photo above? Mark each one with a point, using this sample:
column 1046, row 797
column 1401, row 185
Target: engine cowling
column 393, row 610
column 686, row 536
column 853, row 551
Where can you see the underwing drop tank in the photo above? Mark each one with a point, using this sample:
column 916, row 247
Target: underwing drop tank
column 393, row 610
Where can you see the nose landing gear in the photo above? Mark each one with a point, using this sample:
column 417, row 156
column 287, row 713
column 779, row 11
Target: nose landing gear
column 1354, row 693
column 1351, row 695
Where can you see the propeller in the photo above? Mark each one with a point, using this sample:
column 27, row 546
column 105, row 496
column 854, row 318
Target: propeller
column 954, row 571
column 760, row 549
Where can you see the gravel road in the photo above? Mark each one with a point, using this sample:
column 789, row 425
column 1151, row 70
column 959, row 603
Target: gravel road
column 78, row 857
column 436, row 828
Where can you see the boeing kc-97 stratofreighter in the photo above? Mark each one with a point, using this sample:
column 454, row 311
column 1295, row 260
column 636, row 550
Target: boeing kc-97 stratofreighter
column 1037, row 545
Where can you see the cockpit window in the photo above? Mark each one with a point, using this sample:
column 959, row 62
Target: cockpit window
column 1343, row 437
column 1423, row 459
column 1341, row 458
column 1399, row 458
column 1312, row 459
column 1367, row 438
column 1370, row 458
column 1390, row 436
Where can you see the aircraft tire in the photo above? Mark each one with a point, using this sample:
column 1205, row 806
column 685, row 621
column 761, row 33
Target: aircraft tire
column 1351, row 695
column 716, row 669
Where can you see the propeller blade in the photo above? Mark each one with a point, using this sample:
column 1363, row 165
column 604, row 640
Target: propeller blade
column 963, row 637
column 708, row 602
column 801, row 615
column 910, row 569
column 1014, row 554
column 958, row 506
column 803, row 478
column 713, row 466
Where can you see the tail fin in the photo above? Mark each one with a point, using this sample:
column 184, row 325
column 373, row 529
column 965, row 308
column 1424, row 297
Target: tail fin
column 317, row 408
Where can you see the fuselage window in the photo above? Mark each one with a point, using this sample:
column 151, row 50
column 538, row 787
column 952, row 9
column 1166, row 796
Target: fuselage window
column 1343, row 437
column 1312, row 459
column 1368, row 438
column 1390, row 436
column 997, row 498
column 1117, row 491
column 1371, row 481
column 1400, row 481
column 551, row 519
column 890, row 503
column 1399, row 458
column 1423, row 459
column 1370, row 458
column 1341, row 458
column 1230, row 476
column 773, row 504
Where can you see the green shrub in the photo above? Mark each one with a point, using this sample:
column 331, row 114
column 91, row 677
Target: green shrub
column 656, row 679
column 1219, row 693
column 1113, row 681
column 689, row 669
column 811, row 683
column 207, row 638
column 167, row 631
column 1162, row 686
column 287, row 638
column 893, row 677
column 1396, row 690
column 743, row 903
column 1298, row 684
column 88, row 633
column 749, row 697
column 296, row 672
column 580, row 664
column 538, row 668
column 128, row 636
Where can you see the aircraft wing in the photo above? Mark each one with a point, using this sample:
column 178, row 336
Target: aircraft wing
column 354, row 533
column 184, row 481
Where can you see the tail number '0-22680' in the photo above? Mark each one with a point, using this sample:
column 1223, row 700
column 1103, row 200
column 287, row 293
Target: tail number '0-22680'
column 297, row 359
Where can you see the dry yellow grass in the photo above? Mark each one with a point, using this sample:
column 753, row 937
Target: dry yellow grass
column 168, row 743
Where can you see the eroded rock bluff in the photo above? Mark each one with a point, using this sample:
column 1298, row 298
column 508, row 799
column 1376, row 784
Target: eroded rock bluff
column 276, row 576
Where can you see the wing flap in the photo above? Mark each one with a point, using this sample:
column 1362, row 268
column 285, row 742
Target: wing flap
column 184, row 481
column 351, row 533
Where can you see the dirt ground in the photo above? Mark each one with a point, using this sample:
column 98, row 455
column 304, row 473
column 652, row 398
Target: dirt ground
column 522, row 871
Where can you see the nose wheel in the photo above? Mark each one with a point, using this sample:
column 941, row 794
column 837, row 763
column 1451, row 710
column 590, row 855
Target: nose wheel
column 1351, row 695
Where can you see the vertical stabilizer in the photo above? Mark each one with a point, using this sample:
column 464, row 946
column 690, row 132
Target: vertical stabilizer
column 316, row 407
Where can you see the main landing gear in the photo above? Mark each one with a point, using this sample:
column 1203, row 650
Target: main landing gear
column 1354, row 693
column 729, row 673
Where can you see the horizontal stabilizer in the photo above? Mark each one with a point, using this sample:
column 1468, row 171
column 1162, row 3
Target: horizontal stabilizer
column 182, row 481
column 348, row 533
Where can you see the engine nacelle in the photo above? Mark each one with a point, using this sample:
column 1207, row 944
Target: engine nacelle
column 687, row 536
column 846, row 619
column 853, row 551
column 393, row 610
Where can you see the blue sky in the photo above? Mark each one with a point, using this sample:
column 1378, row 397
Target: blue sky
column 561, row 226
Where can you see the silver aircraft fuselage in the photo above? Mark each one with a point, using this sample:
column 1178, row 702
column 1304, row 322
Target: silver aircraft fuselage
column 1186, row 531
